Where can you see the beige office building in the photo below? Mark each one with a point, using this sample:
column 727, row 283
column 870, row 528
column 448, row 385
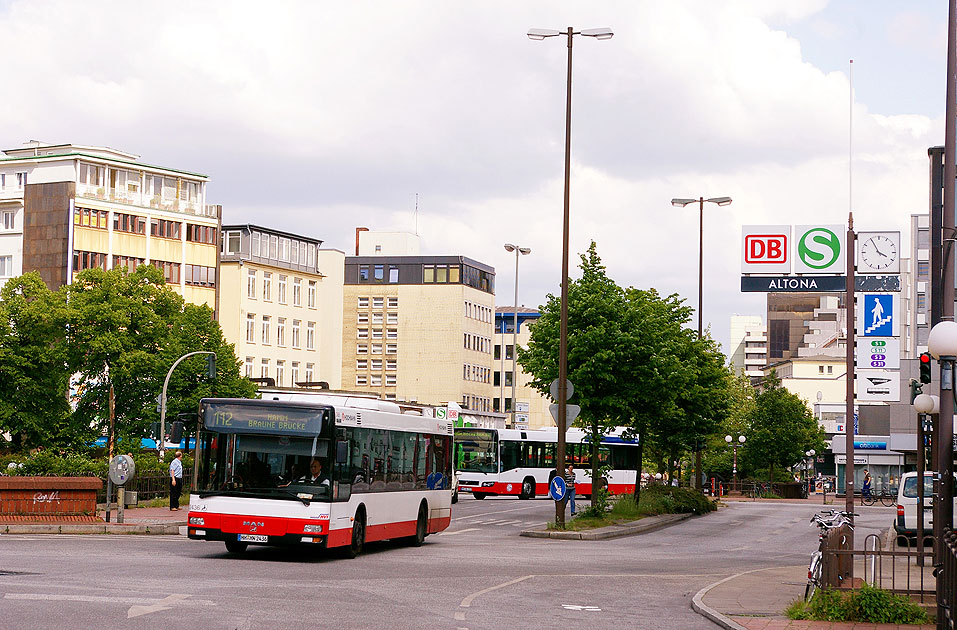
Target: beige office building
column 280, row 303
column 417, row 328
column 68, row 207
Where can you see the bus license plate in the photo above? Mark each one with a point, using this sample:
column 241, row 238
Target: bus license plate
column 253, row 538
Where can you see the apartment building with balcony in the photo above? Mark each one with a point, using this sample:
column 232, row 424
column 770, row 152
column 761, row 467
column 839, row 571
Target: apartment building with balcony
column 417, row 328
column 280, row 303
column 66, row 207
column 749, row 345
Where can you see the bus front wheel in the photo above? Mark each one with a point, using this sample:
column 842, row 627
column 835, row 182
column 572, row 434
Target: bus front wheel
column 358, row 536
column 528, row 489
column 479, row 495
column 234, row 546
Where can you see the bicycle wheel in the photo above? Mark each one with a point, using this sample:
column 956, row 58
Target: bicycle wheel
column 888, row 500
column 867, row 499
column 814, row 578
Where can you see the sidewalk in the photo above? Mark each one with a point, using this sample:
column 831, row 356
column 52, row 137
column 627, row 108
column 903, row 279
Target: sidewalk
column 144, row 521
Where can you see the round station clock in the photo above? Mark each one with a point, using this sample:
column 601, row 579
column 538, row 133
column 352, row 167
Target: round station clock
column 879, row 252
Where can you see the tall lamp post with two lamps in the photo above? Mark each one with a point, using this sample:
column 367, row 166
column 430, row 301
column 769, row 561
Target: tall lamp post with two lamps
column 734, row 446
column 681, row 203
column 523, row 251
column 540, row 34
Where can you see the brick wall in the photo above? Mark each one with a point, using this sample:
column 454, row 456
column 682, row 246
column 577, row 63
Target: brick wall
column 52, row 496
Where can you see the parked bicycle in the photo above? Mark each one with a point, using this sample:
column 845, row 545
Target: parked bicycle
column 885, row 499
column 826, row 520
column 761, row 489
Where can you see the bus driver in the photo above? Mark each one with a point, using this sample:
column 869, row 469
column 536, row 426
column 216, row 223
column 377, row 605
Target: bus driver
column 315, row 474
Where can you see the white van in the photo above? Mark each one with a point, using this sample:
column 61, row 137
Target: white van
column 906, row 523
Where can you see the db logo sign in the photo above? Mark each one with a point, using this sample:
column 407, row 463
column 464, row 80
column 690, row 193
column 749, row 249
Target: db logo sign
column 766, row 249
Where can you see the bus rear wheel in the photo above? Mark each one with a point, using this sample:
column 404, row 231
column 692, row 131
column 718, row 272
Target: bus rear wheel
column 479, row 495
column 421, row 527
column 528, row 489
column 234, row 546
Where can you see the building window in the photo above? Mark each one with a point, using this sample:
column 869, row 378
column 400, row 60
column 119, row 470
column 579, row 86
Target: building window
column 362, row 364
column 392, row 318
column 251, row 328
column 377, row 319
column 921, row 301
column 390, row 364
column 377, row 333
column 294, row 372
column 363, row 318
column 392, row 333
column 129, row 223
column 162, row 228
column 280, row 368
column 376, row 365
column 297, row 292
column 7, row 220
column 363, row 273
column 393, row 275
column 207, row 234
column 391, row 348
column 6, row 266
column 21, row 181
column 265, row 337
column 375, row 380
column 923, row 270
column 309, row 370
column 295, row 333
column 379, row 271
column 88, row 218
column 393, row 302
column 251, row 284
column 267, row 285
column 362, row 348
column 310, row 335
column 264, row 369
column 362, row 380
column 377, row 303
column 282, row 289
column 311, row 294
column 199, row 275
column 377, row 348
column 233, row 239
column 362, row 302
column 362, row 333
column 249, row 367
column 281, row 331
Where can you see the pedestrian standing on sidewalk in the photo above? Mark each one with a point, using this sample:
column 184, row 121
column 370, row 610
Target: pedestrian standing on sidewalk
column 570, row 484
column 175, row 481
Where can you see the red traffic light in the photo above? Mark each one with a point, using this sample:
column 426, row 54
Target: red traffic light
column 925, row 358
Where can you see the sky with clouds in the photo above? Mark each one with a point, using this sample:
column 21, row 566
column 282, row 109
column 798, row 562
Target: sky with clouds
column 318, row 117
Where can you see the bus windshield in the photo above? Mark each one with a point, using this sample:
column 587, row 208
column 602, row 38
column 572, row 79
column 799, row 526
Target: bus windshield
column 259, row 449
column 476, row 450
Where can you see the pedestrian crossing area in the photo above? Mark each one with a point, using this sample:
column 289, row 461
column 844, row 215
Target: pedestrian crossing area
column 499, row 522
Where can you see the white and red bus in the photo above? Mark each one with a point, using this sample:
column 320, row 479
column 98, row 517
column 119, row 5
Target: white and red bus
column 516, row 462
column 384, row 474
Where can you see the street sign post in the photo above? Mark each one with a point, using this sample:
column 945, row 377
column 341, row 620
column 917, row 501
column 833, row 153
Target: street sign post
column 571, row 412
column 557, row 489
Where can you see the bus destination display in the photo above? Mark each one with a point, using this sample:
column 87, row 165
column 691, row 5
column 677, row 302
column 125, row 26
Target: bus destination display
column 232, row 418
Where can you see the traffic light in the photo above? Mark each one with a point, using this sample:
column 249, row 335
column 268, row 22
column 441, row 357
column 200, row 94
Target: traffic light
column 155, row 431
column 915, row 389
column 925, row 367
column 211, row 365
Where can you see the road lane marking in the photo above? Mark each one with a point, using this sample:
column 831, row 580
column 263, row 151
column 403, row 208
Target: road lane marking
column 136, row 611
column 459, row 531
column 102, row 599
column 468, row 600
column 521, row 509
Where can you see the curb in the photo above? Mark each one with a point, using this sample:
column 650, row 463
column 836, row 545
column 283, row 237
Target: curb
column 152, row 529
column 648, row 524
column 698, row 605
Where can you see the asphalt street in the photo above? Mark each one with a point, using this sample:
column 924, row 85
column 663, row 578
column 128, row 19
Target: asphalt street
column 479, row 574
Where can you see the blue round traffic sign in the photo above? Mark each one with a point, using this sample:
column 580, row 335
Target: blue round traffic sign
column 557, row 489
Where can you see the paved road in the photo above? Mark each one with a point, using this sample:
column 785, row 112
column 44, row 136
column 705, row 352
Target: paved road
column 479, row 574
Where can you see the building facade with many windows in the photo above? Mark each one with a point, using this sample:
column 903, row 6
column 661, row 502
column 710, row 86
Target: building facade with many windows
column 530, row 408
column 65, row 208
column 419, row 328
column 281, row 305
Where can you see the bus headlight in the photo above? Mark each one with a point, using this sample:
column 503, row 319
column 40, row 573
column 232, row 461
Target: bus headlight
column 197, row 520
column 312, row 529
column 488, row 484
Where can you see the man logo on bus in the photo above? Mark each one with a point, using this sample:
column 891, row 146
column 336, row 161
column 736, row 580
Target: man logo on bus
column 819, row 248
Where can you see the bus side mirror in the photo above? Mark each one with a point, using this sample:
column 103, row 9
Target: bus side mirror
column 342, row 452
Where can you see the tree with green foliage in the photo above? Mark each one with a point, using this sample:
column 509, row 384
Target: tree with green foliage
column 782, row 428
column 34, row 377
column 719, row 455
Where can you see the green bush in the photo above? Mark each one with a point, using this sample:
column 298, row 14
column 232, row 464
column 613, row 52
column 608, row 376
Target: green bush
column 664, row 499
column 50, row 464
column 867, row 604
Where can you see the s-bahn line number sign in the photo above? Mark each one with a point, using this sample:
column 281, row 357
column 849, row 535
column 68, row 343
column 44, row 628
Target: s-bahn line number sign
column 878, row 353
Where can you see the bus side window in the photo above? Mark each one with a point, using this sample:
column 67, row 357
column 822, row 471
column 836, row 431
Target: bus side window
column 511, row 455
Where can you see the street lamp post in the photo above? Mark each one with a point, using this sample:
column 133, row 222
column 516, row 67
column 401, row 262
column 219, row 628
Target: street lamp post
column 734, row 447
column 523, row 251
column 925, row 405
column 810, row 464
column 540, row 34
column 942, row 345
column 680, row 203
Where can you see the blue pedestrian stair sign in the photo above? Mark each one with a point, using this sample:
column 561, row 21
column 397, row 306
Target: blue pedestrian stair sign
column 878, row 317
column 557, row 488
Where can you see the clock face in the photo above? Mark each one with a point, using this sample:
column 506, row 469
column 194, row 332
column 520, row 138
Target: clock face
column 879, row 252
